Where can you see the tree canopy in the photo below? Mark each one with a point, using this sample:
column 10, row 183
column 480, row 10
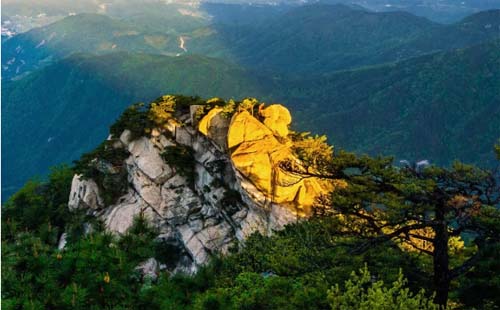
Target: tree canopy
column 424, row 207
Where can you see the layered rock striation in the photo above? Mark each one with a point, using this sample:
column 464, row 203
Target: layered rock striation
column 234, row 186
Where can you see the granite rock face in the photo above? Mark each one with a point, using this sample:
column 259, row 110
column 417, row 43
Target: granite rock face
column 215, row 126
column 231, row 194
column 84, row 195
column 258, row 147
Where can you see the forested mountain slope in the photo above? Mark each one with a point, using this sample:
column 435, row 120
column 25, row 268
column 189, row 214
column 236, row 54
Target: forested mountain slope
column 91, row 33
column 440, row 107
column 322, row 38
column 311, row 39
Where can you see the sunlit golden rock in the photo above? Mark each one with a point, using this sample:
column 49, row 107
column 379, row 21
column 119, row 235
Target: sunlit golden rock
column 204, row 124
column 245, row 128
column 257, row 159
column 215, row 126
column 277, row 118
column 257, row 152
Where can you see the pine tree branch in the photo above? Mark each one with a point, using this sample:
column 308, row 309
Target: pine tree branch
column 421, row 237
column 466, row 266
column 418, row 248
column 386, row 237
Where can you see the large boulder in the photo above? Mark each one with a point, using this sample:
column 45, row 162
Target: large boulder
column 277, row 118
column 215, row 125
column 245, row 128
column 258, row 161
column 258, row 148
column 84, row 194
column 146, row 157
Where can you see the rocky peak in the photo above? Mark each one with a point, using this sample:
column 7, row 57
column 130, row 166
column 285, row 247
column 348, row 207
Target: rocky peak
column 206, row 176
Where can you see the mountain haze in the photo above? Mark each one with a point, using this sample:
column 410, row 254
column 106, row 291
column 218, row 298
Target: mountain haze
column 40, row 46
column 317, row 38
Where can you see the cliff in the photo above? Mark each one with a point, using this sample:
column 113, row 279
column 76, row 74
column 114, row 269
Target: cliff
column 205, row 173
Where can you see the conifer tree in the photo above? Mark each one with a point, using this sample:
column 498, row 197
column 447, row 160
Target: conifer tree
column 414, row 204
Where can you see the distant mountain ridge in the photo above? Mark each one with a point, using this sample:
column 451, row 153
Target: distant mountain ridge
column 323, row 38
column 28, row 51
column 316, row 39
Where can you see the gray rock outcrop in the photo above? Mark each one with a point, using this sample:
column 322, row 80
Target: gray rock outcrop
column 216, row 211
column 149, row 269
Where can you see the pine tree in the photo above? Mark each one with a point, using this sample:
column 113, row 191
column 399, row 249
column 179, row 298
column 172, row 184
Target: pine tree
column 414, row 204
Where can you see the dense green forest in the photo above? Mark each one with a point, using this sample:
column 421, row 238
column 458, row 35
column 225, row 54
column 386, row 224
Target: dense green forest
column 322, row 38
column 441, row 107
column 392, row 238
column 309, row 265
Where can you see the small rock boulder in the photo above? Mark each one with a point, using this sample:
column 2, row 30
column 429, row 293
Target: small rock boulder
column 215, row 126
column 277, row 118
column 84, row 194
column 149, row 269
